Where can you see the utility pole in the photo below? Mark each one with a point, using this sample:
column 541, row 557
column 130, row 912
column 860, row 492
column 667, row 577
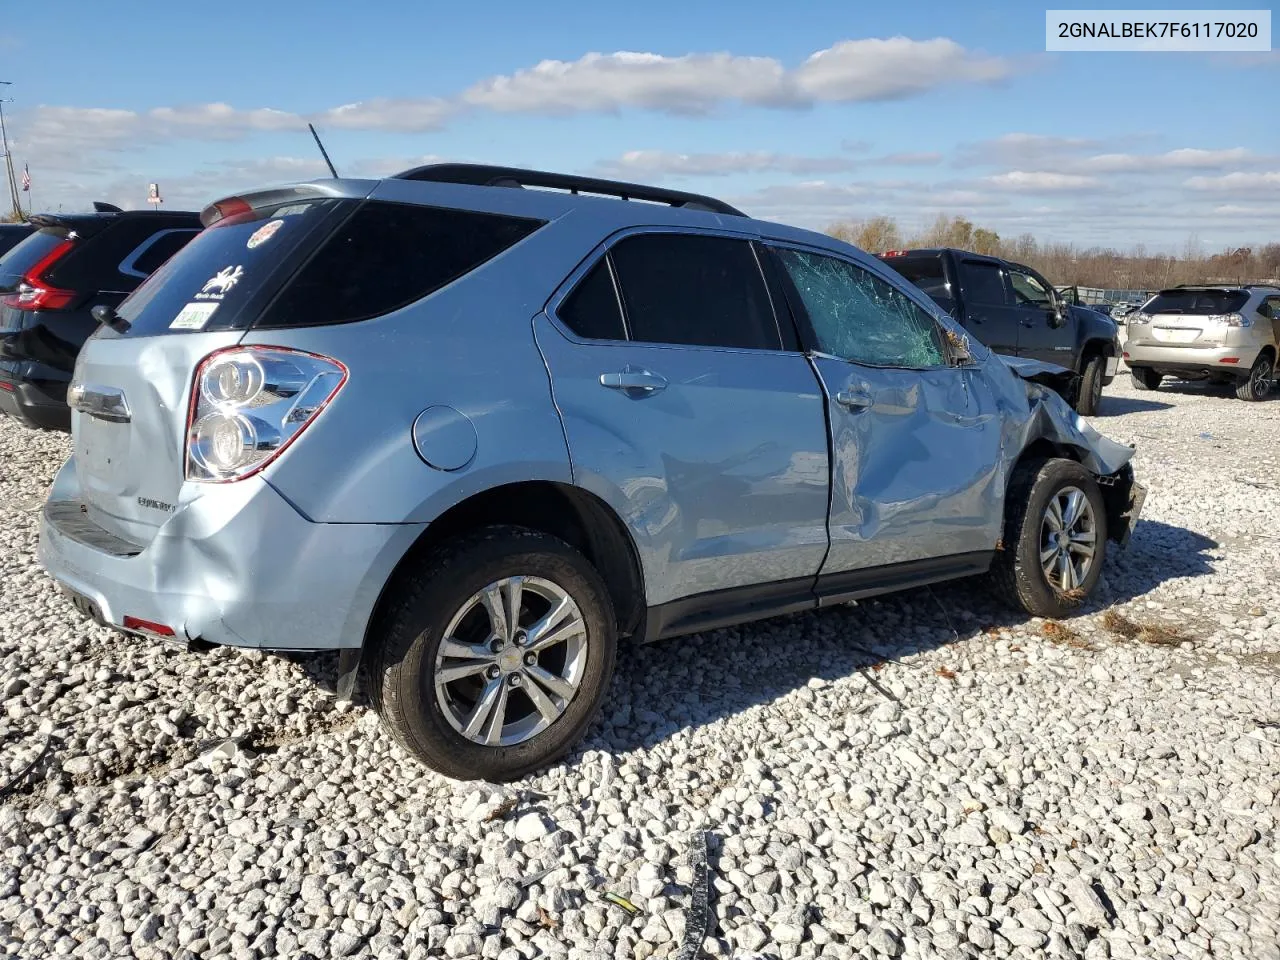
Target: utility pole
column 8, row 158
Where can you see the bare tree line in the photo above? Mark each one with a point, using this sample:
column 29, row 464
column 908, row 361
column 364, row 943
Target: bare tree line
column 1065, row 263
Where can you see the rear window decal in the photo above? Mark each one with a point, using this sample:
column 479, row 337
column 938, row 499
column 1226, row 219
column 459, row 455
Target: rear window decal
column 216, row 287
column 193, row 316
column 264, row 233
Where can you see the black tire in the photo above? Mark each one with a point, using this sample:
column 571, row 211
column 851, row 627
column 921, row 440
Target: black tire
column 403, row 651
column 1016, row 574
column 1258, row 385
column 1144, row 378
column 1091, row 386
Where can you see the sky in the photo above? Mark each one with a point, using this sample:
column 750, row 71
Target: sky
column 809, row 112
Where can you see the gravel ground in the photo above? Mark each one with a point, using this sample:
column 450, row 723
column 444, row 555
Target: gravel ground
column 924, row 776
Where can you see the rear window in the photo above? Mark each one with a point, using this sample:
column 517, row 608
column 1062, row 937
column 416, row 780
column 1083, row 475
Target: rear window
column 1198, row 302
column 926, row 273
column 26, row 255
column 217, row 280
column 315, row 262
column 386, row 256
column 10, row 238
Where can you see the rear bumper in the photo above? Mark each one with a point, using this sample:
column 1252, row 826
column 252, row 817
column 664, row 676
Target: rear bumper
column 237, row 566
column 33, row 406
column 1192, row 359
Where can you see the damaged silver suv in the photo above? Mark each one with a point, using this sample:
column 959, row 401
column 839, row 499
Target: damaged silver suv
column 476, row 426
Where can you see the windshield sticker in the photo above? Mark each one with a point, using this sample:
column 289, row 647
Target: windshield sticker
column 193, row 316
column 216, row 287
column 264, row 233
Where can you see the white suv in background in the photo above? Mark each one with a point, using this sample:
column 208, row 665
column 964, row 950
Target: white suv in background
column 1225, row 334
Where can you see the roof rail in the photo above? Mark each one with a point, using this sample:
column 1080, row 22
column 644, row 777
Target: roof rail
column 483, row 175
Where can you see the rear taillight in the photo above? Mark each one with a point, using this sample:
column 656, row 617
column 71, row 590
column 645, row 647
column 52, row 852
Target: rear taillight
column 34, row 293
column 249, row 403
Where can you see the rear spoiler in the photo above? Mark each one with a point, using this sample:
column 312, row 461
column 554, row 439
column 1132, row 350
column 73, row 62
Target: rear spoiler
column 248, row 202
column 85, row 226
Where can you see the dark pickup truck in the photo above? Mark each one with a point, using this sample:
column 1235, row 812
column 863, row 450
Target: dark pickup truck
column 1015, row 311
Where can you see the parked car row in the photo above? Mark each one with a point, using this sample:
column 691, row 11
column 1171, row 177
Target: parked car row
column 51, row 281
column 475, row 427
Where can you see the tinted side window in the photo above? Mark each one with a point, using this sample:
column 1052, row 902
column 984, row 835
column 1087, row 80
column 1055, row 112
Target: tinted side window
column 694, row 290
column 592, row 309
column 927, row 274
column 983, row 283
column 386, row 256
column 857, row 316
column 159, row 250
column 1029, row 291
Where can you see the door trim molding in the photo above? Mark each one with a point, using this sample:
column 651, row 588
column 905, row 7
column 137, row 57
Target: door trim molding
column 717, row 609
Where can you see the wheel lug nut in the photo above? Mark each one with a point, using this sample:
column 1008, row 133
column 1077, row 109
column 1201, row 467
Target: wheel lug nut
column 514, row 680
column 495, row 645
column 493, row 672
column 521, row 638
column 530, row 659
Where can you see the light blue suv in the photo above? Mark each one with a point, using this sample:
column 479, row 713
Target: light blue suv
column 476, row 426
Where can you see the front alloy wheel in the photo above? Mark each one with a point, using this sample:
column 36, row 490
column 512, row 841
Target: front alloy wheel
column 1055, row 538
column 1068, row 539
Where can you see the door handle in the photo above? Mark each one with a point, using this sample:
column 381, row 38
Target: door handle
column 638, row 381
column 854, row 399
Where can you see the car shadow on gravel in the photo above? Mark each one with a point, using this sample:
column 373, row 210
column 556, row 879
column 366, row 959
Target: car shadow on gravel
column 712, row 676
column 1119, row 406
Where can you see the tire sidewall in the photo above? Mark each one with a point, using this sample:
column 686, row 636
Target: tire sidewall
column 408, row 688
column 1055, row 475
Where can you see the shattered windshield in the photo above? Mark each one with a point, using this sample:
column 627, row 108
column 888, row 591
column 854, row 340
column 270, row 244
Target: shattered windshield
column 857, row 316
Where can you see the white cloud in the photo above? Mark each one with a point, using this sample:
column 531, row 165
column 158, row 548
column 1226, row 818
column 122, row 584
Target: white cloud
column 889, row 69
column 1237, row 182
column 1184, row 158
column 659, row 163
column 1041, row 180
column 849, row 71
column 1020, row 149
column 221, row 119
column 404, row 115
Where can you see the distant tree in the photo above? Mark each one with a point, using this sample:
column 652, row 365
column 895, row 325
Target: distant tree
column 875, row 235
column 986, row 241
column 12, row 217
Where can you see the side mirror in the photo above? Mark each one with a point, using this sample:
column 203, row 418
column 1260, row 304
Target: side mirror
column 1059, row 316
column 959, row 345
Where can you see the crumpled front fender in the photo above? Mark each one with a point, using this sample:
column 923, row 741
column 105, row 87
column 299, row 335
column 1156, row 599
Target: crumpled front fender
column 1035, row 412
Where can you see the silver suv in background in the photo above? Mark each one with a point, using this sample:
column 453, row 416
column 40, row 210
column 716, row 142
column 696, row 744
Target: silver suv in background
column 476, row 426
column 1225, row 334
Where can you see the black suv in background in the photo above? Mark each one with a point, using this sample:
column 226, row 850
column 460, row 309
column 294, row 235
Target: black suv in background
column 50, row 283
column 1015, row 311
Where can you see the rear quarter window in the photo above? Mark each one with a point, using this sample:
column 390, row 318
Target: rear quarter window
column 388, row 255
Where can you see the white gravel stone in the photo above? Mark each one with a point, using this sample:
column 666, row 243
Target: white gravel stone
column 1031, row 796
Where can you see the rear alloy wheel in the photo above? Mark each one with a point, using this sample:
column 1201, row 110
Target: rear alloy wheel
column 492, row 656
column 1258, row 385
column 1055, row 538
column 1091, row 387
column 1144, row 378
